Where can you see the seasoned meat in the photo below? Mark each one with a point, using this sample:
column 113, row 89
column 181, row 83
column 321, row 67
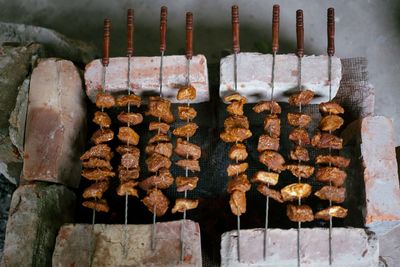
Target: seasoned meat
column 238, row 152
column 302, row 171
column 298, row 120
column 268, row 192
column 94, row 163
column 331, row 123
column 96, row 190
column 190, row 164
column 123, row 149
column 299, row 153
column 187, row 92
column 156, row 162
column 128, row 136
column 330, row 108
column 162, row 127
column 235, row 135
column 131, row 118
column 337, row 161
column 270, row 106
column 335, row 194
column 301, row 98
column 272, row 126
column 236, row 121
column 299, row 136
column 238, row 202
column 239, row 183
column 130, row 160
column 265, row 142
column 232, row 97
column 326, row 140
column 132, row 99
column 104, row 100
column 334, row 211
column 128, row 187
column 97, row 174
column 186, row 113
column 273, row 160
column 125, row 174
column 102, row 119
column 264, row 177
column 336, row 175
column 183, row 204
column 187, row 130
column 163, row 180
column 186, row 183
column 164, row 149
column 102, row 136
column 159, row 138
column 160, row 108
column 156, row 201
column 186, row 149
column 302, row 213
column 295, row 191
column 102, row 151
column 236, row 107
column 99, row 205
column 235, row 169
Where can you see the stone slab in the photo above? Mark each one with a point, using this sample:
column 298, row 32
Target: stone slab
column 77, row 243
column 144, row 76
column 350, row 247
column 254, row 76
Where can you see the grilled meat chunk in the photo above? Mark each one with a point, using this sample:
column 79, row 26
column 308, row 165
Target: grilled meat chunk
column 186, row 183
column 186, row 149
column 302, row 171
column 337, row 161
column 187, row 92
column 186, row 113
column 236, row 121
column 96, row 190
column 190, row 164
column 335, row 194
column 336, row 175
column 102, row 151
column 131, row 118
column 128, row 187
column 270, row 106
column 162, row 127
column 94, row 163
column 184, row 204
column 238, row 152
column 123, row 149
column 299, row 136
column 301, row 98
column 295, row 191
column 236, row 107
column 268, row 192
column 159, row 138
column 298, row 120
column 97, row 174
column 299, row 153
column 156, row 162
column 102, row 119
column 130, row 160
column 302, row 213
column 187, row 130
column 233, row 97
column 334, row 211
column 330, row 108
column 163, row 180
column 235, row 135
column 128, row 136
column 160, row 108
column 272, row 160
column 326, row 140
column 102, row 136
column 264, row 177
column 238, row 202
column 132, row 99
column 104, row 100
column 265, row 142
column 331, row 123
column 125, row 174
column 156, row 201
column 239, row 183
column 99, row 205
column 272, row 126
column 164, row 149
column 235, row 169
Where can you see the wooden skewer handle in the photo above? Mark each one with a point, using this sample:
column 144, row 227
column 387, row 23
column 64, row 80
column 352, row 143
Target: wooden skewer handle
column 235, row 29
column 331, row 31
column 130, row 32
column 106, row 42
column 163, row 28
column 189, row 35
column 300, row 33
column 275, row 28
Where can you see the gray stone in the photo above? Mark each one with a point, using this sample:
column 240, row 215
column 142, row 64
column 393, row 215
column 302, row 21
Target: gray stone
column 78, row 244
column 37, row 211
column 389, row 244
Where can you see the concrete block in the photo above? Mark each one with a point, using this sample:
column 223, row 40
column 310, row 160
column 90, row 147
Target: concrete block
column 77, row 243
column 144, row 76
column 254, row 76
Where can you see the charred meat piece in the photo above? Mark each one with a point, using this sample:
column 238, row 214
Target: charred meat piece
column 99, row 205
column 104, row 100
column 130, row 160
column 326, row 140
column 156, row 201
column 302, row 171
column 159, row 138
column 186, row 149
column 299, row 136
column 94, row 163
column 268, row 192
column 190, row 164
column 302, row 213
column 236, row 107
column 336, row 175
column 162, row 127
column 234, row 97
column 186, row 183
column 127, row 174
column 299, row 153
column 160, row 108
column 97, row 174
column 270, row 106
column 265, row 142
column 133, row 100
column 183, row 204
column 96, row 190
column 334, row 211
column 330, row 108
column 235, row 135
column 187, row 130
column 235, row 169
column 187, row 92
column 238, row 152
column 123, row 149
column 236, row 121
column 272, row 160
column 128, row 136
column 298, row 120
column 331, row 123
column 131, row 118
column 239, row 183
column 264, row 177
column 128, row 187
column 337, row 161
column 186, row 113
column 163, row 180
column 335, row 194
column 164, row 149
column 102, row 151
column 238, row 202
column 102, row 136
column 301, row 98
column 156, row 162
column 272, row 126
column 102, row 119
column 295, row 191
